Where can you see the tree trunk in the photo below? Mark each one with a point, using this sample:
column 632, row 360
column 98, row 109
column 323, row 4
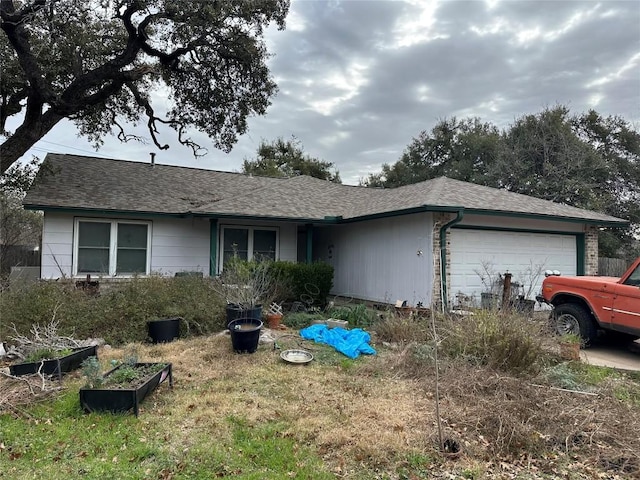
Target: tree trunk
column 25, row 137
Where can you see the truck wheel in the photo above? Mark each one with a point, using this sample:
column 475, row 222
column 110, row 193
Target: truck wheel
column 573, row 318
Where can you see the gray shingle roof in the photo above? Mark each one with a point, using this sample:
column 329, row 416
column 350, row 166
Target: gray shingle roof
column 71, row 181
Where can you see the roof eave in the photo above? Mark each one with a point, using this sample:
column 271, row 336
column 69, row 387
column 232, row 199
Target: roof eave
column 331, row 219
column 404, row 211
column 102, row 211
column 232, row 216
column 620, row 223
column 113, row 212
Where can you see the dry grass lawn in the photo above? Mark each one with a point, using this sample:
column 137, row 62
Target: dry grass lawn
column 371, row 418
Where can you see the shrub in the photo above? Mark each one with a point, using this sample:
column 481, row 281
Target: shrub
column 357, row 315
column 309, row 283
column 119, row 314
column 510, row 343
column 396, row 329
column 299, row 320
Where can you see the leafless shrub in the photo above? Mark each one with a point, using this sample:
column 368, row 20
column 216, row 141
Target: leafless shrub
column 42, row 338
column 247, row 284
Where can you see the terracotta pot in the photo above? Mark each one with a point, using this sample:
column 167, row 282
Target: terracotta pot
column 273, row 320
column 570, row 351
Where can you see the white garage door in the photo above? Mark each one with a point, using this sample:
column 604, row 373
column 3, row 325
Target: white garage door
column 479, row 255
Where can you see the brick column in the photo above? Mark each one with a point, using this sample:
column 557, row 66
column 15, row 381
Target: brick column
column 591, row 250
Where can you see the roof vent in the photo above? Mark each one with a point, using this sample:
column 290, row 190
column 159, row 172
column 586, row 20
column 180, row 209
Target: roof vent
column 153, row 158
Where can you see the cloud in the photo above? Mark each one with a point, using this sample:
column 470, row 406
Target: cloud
column 359, row 79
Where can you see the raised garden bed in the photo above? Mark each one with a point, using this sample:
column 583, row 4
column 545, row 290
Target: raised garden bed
column 121, row 393
column 55, row 366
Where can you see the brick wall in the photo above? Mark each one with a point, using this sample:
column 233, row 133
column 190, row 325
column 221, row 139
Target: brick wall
column 591, row 250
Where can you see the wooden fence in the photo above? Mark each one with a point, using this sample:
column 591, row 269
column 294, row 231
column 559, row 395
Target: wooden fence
column 17, row 255
column 612, row 267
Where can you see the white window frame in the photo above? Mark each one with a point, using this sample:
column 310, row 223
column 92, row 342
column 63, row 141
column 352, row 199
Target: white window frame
column 113, row 244
column 249, row 241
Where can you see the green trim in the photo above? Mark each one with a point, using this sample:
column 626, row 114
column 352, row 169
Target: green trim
column 309, row 243
column 251, row 218
column 335, row 219
column 507, row 229
column 397, row 213
column 478, row 211
column 109, row 213
column 443, row 257
column 213, row 247
column 580, row 253
column 579, row 236
column 553, row 218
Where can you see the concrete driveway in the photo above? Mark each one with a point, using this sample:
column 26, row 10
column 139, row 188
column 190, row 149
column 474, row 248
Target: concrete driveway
column 609, row 354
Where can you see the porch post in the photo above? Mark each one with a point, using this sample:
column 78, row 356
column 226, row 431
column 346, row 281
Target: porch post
column 213, row 247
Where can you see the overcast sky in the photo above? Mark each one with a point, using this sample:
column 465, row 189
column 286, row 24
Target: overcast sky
column 359, row 80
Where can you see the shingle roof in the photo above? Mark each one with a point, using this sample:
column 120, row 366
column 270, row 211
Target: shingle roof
column 71, row 181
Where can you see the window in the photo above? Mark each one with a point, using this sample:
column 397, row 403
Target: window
column 249, row 243
column 111, row 247
column 634, row 278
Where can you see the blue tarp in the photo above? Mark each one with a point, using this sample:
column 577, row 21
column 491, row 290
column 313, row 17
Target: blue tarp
column 348, row 342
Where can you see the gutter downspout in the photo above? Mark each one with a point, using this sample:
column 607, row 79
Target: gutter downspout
column 443, row 256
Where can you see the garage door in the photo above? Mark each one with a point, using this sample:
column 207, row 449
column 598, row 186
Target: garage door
column 478, row 256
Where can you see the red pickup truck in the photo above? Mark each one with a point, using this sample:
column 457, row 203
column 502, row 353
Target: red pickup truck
column 583, row 305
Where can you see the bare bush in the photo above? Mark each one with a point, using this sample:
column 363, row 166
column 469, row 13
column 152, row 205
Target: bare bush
column 247, row 284
column 42, row 338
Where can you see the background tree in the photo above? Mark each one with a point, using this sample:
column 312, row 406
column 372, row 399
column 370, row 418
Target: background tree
column 282, row 158
column 18, row 227
column 462, row 149
column 543, row 157
column 618, row 144
column 586, row 160
column 97, row 63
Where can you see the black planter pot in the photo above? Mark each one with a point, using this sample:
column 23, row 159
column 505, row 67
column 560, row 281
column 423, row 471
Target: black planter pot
column 245, row 334
column 235, row 312
column 56, row 366
column 164, row 330
column 120, row 399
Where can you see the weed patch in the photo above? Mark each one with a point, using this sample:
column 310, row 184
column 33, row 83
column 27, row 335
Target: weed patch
column 119, row 314
column 511, row 343
column 257, row 417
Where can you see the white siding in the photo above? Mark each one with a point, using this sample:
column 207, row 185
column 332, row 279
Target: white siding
column 57, row 246
column 179, row 245
column 176, row 244
column 288, row 242
column 381, row 260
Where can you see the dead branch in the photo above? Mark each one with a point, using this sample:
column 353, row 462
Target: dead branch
column 42, row 338
column 564, row 390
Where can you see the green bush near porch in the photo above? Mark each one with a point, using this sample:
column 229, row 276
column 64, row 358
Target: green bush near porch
column 309, row 283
